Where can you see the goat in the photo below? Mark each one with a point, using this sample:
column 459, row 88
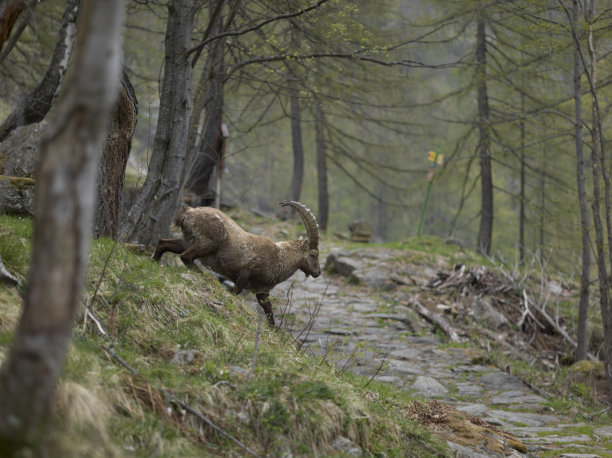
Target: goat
column 253, row 262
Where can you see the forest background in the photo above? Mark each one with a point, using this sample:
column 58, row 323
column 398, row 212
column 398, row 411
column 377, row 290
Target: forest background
column 371, row 88
column 338, row 105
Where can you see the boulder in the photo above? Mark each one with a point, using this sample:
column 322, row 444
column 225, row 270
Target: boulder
column 341, row 264
column 483, row 311
column 20, row 151
column 16, row 195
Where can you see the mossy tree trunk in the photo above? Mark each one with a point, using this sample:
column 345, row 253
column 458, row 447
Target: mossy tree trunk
column 114, row 160
column 65, row 199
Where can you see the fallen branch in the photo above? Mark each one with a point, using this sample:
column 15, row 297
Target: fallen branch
column 437, row 319
column 562, row 332
column 6, row 276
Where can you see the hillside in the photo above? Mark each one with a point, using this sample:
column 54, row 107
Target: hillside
column 166, row 362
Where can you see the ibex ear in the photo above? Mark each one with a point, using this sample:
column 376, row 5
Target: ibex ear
column 305, row 245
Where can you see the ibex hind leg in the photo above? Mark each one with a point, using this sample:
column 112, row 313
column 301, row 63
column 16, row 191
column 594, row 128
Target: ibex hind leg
column 172, row 245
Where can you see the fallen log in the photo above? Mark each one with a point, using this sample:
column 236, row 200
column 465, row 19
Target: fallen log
column 438, row 319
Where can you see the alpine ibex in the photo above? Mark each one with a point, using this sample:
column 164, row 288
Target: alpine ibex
column 252, row 262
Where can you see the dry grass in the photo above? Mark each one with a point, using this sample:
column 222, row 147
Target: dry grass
column 463, row 428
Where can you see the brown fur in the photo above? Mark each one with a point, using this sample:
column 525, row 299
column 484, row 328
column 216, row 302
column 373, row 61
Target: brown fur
column 252, row 262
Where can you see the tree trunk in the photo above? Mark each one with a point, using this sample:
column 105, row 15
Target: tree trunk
column 522, row 191
column 114, row 160
column 211, row 146
column 63, row 216
column 585, row 277
column 485, row 232
column 295, row 188
column 321, row 167
column 10, row 10
column 151, row 215
column 598, row 147
column 298, row 148
column 35, row 106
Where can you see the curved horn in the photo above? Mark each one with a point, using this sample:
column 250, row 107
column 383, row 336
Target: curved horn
column 312, row 228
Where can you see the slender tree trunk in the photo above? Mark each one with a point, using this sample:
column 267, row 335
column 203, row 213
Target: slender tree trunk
column 210, row 147
column 323, row 190
column 585, row 277
column 485, row 232
column 599, row 167
column 522, row 197
column 542, row 224
column 151, row 215
column 295, row 188
column 298, row 147
column 35, row 106
column 65, row 198
column 10, row 10
column 114, row 160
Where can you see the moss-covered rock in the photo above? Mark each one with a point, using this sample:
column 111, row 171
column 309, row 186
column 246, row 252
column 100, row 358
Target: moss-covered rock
column 16, row 195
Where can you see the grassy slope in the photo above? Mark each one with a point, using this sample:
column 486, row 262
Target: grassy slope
column 293, row 403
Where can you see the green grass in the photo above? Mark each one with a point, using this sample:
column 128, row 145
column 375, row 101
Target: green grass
column 290, row 403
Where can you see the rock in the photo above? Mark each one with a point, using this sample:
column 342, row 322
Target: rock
column 16, row 195
column 341, row 264
column 502, row 381
column 482, row 310
column 604, row 432
column 474, row 409
column 465, row 452
column 345, row 446
column 186, row 357
column 407, row 353
column 428, row 386
column 404, row 368
column 468, row 389
column 375, row 278
column 517, row 397
column 20, row 151
column 505, row 418
column 361, row 231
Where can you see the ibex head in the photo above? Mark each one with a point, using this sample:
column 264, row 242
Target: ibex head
column 310, row 247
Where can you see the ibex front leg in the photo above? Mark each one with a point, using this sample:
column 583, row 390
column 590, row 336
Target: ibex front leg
column 266, row 305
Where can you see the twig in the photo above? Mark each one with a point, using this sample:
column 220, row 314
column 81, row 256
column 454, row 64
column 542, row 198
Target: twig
column 173, row 398
column 89, row 313
column 257, row 334
column 382, row 363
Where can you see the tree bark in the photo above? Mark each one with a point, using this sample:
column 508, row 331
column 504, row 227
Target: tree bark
column 522, row 191
column 322, row 186
column 63, row 216
column 296, row 141
column 599, row 168
column 114, row 160
column 151, row 215
column 485, row 232
column 211, row 145
column 35, row 106
column 585, row 277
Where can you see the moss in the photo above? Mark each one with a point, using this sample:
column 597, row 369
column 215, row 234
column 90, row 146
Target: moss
column 19, row 183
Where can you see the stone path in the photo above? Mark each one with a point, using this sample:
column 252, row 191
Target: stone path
column 372, row 334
